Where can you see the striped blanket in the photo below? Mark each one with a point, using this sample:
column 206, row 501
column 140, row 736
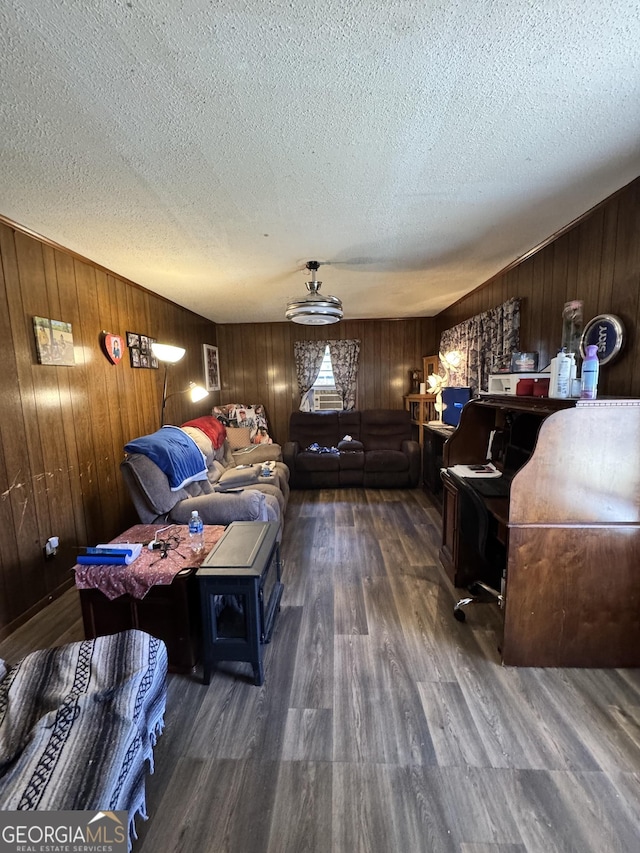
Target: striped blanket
column 78, row 725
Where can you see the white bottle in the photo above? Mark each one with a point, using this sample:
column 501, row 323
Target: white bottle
column 196, row 532
column 560, row 376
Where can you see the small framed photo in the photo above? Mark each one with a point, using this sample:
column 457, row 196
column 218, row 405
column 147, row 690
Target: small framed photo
column 144, row 344
column 211, row 367
column 133, row 340
column 134, row 356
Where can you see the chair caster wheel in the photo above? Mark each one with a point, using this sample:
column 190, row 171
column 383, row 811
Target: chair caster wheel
column 460, row 615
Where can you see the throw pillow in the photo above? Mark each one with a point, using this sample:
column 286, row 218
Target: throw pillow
column 238, row 437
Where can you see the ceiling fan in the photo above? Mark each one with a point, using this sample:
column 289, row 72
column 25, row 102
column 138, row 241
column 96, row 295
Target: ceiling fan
column 314, row 309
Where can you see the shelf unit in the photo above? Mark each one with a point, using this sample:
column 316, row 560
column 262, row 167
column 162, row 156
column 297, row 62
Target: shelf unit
column 422, row 410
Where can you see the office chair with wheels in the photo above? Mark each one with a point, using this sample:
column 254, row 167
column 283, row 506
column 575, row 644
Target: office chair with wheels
column 484, row 556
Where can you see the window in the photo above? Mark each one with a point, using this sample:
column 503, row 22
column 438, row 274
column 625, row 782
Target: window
column 324, row 396
column 336, row 362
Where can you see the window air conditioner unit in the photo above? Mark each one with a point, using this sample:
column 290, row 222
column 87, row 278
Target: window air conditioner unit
column 326, row 401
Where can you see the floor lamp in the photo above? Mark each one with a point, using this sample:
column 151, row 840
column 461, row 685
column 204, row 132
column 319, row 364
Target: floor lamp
column 170, row 354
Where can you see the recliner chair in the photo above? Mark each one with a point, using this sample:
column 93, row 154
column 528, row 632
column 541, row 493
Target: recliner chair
column 155, row 503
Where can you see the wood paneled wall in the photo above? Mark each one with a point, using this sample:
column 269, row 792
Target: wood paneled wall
column 62, row 429
column 596, row 260
column 256, row 362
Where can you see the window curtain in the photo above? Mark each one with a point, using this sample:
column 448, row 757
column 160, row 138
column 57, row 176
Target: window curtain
column 308, row 357
column 484, row 342
column 344, row 361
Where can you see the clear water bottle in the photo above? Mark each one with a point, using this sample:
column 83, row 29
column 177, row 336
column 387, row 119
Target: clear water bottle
column 196, row 532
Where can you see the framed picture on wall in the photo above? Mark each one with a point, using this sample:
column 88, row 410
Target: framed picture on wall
column 211, row 367
column 54, row 341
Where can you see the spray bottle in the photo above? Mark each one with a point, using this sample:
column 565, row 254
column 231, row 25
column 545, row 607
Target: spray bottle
column 590, row 370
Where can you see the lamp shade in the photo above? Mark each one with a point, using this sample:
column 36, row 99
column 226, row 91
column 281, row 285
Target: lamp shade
column 167, row 352
column 197, row 392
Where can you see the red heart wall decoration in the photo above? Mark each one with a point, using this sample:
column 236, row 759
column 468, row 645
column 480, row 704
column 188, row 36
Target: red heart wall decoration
column 113, row 346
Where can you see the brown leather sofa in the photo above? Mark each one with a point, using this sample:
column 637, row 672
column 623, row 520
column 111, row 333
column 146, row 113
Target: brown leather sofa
column 381, row 453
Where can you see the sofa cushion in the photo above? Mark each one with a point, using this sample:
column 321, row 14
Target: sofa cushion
column 349, row 424
column 352, row 460
column 319, row 427
column 309, row 461
column 382, row 429
column 385, row 460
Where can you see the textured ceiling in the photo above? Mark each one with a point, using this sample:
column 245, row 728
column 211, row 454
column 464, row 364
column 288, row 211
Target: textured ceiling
column 207, row 150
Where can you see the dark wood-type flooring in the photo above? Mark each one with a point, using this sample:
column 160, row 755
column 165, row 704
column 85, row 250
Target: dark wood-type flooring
column 383, row 724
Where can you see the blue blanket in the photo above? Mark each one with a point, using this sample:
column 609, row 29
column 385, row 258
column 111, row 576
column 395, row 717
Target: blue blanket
column 175, row 453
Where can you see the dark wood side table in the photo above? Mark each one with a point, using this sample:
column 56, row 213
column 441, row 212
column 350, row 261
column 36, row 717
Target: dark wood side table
column 169, row 610
column 240, row 592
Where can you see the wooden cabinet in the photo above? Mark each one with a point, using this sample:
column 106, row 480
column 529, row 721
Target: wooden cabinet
column 435, row 436
column 572, row 593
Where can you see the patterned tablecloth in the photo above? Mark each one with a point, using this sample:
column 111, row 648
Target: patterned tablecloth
column 150, row 568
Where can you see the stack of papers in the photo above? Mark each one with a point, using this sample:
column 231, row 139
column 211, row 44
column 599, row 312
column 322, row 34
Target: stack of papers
column 485, row 470
column 110, row 555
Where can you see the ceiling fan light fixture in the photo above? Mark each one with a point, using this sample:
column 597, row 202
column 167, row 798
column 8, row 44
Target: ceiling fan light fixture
column 314, row 309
